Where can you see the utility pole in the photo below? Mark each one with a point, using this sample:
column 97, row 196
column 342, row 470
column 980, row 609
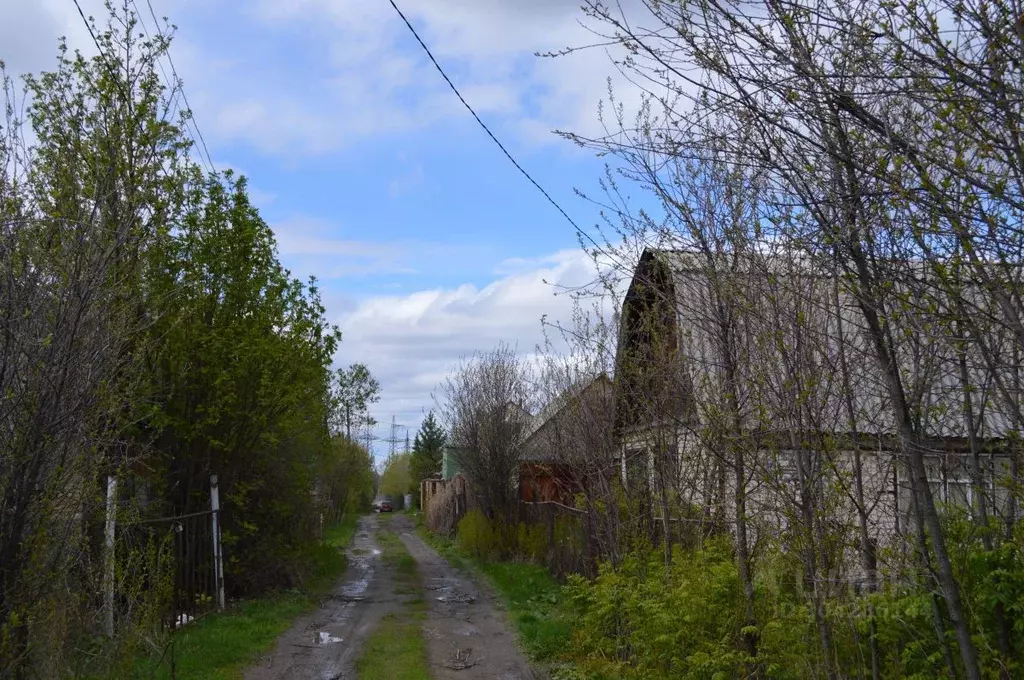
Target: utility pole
column 393, row 439
column 368, row 437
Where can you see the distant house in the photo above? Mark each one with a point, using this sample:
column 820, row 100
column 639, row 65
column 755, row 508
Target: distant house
column 555, row 459
column 450, row 462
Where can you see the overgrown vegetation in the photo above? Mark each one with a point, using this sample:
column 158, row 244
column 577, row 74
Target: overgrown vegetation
column 638, row 620
column 151, row 335
column 811, row 465
column 222, row 646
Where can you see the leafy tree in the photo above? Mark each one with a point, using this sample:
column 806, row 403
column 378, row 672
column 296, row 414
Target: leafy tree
column 347, row 478
column 81, row 209
column 354, row 390
column 241, row 361
column 396, row 480
column 485, row 408
column 150, row 333
column 427, row 448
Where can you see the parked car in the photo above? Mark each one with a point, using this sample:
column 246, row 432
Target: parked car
column 385, row 506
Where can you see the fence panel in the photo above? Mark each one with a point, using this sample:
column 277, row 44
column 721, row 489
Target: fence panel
column 175, row 554
column 568, row 536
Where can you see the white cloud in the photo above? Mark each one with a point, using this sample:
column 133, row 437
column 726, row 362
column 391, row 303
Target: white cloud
column 338, row 71
column 412, row 341
column 29, row 32
column 373, row 79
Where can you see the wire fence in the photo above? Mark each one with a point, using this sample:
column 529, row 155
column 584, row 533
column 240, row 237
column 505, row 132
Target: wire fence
column 180, row 551
column 166, row 569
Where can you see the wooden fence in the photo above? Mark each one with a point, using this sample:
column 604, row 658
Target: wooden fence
column 570, row 548
column 444, row 502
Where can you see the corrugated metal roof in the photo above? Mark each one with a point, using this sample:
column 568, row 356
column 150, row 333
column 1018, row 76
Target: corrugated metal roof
column 785, row 289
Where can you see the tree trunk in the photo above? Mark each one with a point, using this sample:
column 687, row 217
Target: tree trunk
column 867, row 547
column 736, row 439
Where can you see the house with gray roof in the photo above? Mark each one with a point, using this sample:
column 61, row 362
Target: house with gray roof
column 706, row 354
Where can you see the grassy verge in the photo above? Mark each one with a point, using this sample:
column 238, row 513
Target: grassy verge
column 531, row 596
column 222, row 646
column 396, row 650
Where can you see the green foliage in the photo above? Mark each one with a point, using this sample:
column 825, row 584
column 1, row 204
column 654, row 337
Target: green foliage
column 240, row 367
column 89, row 180
column 153, row 334
column 346, row 480
column 531, row 542
column 396, row 480
column 428, row 449
column 354, row 390
column 639, row 622
column 477, row 537
column 222, row 646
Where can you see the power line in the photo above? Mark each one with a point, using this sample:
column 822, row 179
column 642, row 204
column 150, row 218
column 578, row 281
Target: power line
column 88, row 26
column 487, row 129
column 176, row 86
column 178, row 83
column 96, row 42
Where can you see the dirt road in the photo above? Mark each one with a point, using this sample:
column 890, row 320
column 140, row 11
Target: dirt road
column 467, row 634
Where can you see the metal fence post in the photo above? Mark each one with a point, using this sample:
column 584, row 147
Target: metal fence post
column 109, row 557
column 218, row 557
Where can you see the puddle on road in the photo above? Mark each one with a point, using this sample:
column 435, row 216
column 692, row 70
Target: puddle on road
column 449, row 592
column 451, row 596
column 326, row 638
column 364, row 564
column 354, row 590
column 466, row 630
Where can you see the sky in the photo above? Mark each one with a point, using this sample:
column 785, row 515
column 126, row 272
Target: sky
column 427, row 243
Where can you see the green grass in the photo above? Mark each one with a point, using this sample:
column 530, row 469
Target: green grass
column 393, row 552
column 396, row 650
column 222, row 646
column 531, row 595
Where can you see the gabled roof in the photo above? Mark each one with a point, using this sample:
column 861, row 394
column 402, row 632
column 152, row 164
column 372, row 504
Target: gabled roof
column 685, row 284
column 559, row 403
column 555, row 406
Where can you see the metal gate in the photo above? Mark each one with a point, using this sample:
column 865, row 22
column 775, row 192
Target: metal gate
column 177, row 562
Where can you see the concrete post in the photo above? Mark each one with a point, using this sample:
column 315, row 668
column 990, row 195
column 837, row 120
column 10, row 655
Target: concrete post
column 218, row 556
column 109, row 557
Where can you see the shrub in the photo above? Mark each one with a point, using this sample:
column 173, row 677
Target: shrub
column 478, row 537
column 531, row 542
column 634, row 622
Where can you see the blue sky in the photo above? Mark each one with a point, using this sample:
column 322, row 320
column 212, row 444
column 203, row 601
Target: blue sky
column 428, row 243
